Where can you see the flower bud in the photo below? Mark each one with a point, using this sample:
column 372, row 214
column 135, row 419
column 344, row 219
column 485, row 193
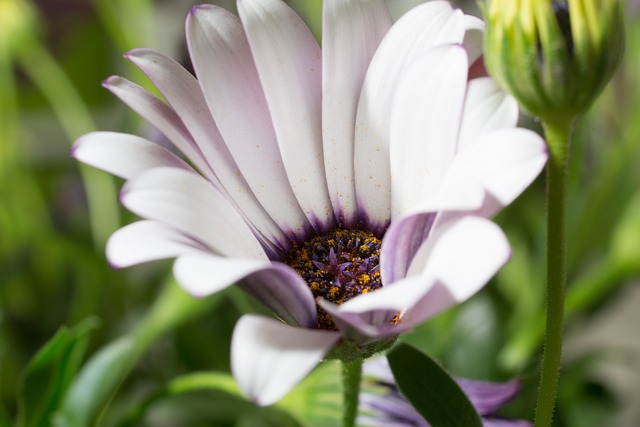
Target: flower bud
column 554, row 56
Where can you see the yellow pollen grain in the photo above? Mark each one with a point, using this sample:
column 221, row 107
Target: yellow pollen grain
column 363, row 280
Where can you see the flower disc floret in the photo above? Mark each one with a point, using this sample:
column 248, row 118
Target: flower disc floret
column 337, row 266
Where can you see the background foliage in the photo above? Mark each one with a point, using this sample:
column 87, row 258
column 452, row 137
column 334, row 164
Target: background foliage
column 72, row 330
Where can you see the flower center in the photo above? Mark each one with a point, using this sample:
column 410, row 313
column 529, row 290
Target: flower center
column 337, row 266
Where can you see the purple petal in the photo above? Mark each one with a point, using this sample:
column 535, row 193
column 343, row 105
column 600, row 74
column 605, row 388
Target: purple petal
column 284, row 292
column 488, row 397
column 503, row 422
column 269, row 358
column 401, row 243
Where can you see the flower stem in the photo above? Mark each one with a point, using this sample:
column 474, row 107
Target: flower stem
column 351, row 375
column 558, row 137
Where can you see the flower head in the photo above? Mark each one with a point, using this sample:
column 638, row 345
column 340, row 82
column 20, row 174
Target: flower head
column 346, row 188
column 384, row 405
column 554, row 56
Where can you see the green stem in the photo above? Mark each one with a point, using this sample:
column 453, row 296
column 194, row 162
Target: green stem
column 558, row 137
column 351, row 375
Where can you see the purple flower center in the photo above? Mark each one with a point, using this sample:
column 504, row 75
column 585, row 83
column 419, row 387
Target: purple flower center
column 337, row 266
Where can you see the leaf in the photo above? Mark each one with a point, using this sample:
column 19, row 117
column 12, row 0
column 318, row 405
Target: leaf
column 96, row 383
column 317, row 400
column 50, row 372
column 430, row 389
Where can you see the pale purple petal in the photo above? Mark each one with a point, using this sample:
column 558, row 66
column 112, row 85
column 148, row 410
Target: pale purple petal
column 225, row 69
column 122, row 154
column 351, row 33
column 184, row 94
column 285, row 293
column 400, row 244
column 425, row 119
column 145, row 241
column 424, row 27
column 189, row 203
column 160, row 115
column 269, row 358
column 486, row 108
column 288, row 60
column 503, row 422
column 487, row 397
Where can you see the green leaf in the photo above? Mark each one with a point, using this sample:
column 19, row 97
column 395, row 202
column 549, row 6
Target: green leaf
column 430, row 389
column 317, row 400
column 50, row 372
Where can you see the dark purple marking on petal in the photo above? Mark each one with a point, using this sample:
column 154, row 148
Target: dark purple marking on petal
column 402, row 241
column 378, row 229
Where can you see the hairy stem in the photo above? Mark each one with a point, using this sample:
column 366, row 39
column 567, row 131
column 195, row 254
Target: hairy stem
column 351, row 375
column 558, row 137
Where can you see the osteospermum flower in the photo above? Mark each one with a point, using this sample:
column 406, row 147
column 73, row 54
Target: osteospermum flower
column 328, row 184
column 384, row 405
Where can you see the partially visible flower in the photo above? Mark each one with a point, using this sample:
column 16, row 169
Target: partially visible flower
column 345, row 188
column 554, row 56
column 383, row 405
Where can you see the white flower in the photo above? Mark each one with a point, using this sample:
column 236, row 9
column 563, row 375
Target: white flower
column 377, row 146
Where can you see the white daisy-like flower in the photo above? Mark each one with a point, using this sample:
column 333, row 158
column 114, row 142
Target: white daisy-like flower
column 346, row 188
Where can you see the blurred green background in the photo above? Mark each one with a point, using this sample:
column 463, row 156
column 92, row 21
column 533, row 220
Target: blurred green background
column 56, row 215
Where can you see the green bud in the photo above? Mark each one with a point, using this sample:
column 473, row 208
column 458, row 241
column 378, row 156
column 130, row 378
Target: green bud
column 17, row 25
column 555, row 57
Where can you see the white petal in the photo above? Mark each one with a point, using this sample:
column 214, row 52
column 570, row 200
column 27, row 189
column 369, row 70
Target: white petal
column 145, row 241
column 288, row 60
column 351, row 33
column 474, row 33
column 463, row 254
column 225, row 69
column 419, row 30
column 502, row 162
column 205, row 274
column 185, row 96
column 189, row 203
column 269, row 358
column 162, row 117
column 486, row 108
column 122, row 154
column 425, row 119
